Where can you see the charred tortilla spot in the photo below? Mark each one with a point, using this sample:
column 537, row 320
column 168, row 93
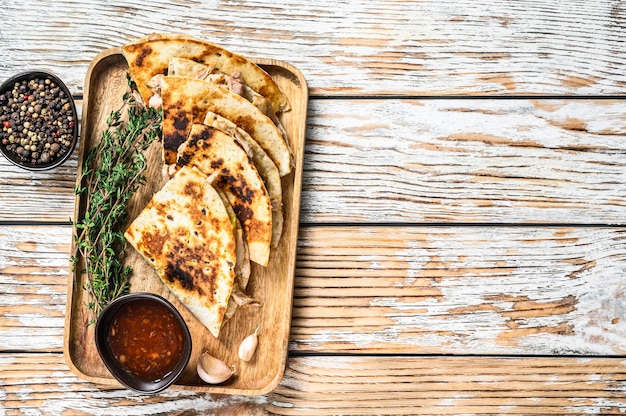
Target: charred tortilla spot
column 174, row 137
column 181, row 121
column 237, row 60
column 206, row 133
column 173, row 141
column 192, row 141
column 187, row 273
column 192, row 268
column 184, row 159
column 144, row 51
column 192, row 191
column 244, row 213
column 238, row 186
column 201, row 140
column 151, row 242
column 175, row 274
column 217, row 164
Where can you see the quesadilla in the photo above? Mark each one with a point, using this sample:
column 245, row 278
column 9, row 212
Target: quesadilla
column 187, row 100
column 214, row 152
column 187, row 68
column 150, row 55
column 187, row 235
column 181, row 108
column 238, row 296
column 183, row 67
column 267, row 169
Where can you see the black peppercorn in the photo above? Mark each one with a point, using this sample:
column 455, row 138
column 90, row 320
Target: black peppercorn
column 36, row 121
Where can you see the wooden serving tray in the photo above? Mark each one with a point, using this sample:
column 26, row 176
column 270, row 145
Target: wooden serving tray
column 272, row 286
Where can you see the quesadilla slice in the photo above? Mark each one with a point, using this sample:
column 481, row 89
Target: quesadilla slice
column 267, row 169
column 187, row 100
column 183, row 67
column 150, row 55
column 187, row 68
column 186, row 234
column 181, row 108
column 238, row 296
column 214, row 152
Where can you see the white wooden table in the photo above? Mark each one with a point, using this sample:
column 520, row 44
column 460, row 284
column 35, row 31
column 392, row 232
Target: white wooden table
column 462, row 243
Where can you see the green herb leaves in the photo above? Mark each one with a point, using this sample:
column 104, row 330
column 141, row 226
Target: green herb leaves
column 111, row 173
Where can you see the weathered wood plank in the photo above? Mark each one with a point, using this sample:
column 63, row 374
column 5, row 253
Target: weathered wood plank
column 450, row 385
column 43, row 384
column 428, row 290
column 356, row 47
column 440, row 160
column 465, row 161
column 366, row 385
column 34, row 270
column 460, row 290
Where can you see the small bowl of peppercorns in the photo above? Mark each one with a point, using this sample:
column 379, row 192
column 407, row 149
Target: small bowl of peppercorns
column 38, row 120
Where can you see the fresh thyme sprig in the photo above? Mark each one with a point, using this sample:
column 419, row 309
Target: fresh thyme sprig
column 112, row 172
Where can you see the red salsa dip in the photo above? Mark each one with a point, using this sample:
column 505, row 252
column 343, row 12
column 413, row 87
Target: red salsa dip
column 146, row 339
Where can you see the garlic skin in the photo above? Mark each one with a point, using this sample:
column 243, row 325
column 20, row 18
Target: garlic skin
column 213, row 370
column 248, row 346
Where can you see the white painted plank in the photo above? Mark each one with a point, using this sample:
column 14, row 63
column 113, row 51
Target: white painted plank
column 34, row 271
column 466, row 161
column 460, row 290
column 364, row 385
column 354, row 47
column 433, row 160
column 434, row 290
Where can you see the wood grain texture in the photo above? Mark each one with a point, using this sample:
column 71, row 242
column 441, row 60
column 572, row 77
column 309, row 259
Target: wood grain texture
column 439, row 236
column 449, row 385
column 34, row 265
column 466, row 161
column 427, row 161
column 427, row 290
column 359, row 385
column 37, row 196
column 42, row 384
column 460, row 290
column 351, row 47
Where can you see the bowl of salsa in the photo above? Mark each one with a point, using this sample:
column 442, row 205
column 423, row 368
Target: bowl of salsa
column 143, row 341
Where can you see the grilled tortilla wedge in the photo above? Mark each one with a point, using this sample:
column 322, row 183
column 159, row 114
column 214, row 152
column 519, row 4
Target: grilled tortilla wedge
column 187, row 100
column 187, row 68
column 183, row 67
column 186, row 234
column 180, row 110
column 238, row 296
column 150, row 55
column 267, row 169
column 212, row 151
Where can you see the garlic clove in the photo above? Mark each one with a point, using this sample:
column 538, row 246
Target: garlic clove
column 213, row 370
column 248, row 346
